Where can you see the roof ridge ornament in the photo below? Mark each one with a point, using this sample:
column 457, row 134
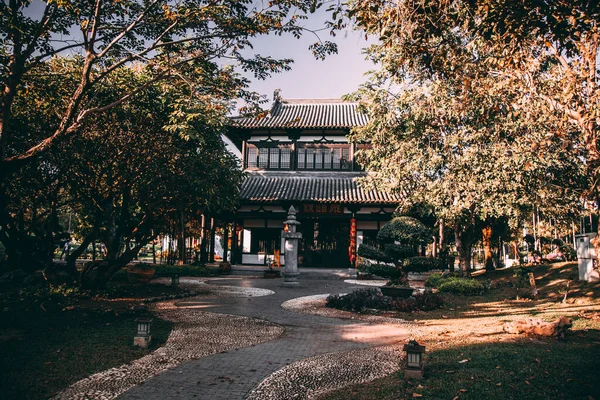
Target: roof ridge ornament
column 277, row 96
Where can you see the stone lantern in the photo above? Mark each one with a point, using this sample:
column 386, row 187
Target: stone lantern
column 414, row 360
column 290, row 273
column 142, row 337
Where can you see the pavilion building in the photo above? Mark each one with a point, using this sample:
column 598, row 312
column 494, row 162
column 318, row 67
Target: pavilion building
column 299, row 154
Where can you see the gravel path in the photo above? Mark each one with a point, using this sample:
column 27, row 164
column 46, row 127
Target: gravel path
column 196, row 334
column 312, row 376
column 238, row 340
column 235, row 374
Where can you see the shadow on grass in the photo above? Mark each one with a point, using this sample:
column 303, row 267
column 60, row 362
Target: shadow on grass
column 44, row 352
column 523, row 369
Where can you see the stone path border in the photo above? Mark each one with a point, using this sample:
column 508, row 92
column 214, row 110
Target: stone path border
column 312, row 376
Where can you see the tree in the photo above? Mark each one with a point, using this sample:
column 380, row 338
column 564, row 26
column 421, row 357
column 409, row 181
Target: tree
column 136, row 169
column 195, row 41
column 399, row 239
column 537, row 58
column 448, row 127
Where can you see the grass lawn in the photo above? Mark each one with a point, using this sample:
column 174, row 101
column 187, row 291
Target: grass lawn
column 48, row 342
column 470, row 357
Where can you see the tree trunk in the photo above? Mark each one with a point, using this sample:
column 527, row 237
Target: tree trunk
column 464, row 243
column 442, row 226
column 96, row 275
column 487, row 248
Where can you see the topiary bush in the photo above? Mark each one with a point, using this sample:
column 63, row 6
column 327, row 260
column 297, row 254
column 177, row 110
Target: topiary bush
column 406, row 230
column 372, row 253
column 422, row 264
column 462, row 286
column 385, row 271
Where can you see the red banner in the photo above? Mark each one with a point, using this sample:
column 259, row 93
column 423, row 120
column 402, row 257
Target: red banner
column 352, row 247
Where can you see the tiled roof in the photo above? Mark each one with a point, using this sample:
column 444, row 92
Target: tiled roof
column 306, row 114
column 314, row 187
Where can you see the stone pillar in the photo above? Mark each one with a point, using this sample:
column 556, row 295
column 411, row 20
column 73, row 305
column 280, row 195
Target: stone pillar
column 290, row 273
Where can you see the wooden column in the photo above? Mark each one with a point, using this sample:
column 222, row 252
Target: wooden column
column 225, row 241
column 234, row 244
column 211, row 253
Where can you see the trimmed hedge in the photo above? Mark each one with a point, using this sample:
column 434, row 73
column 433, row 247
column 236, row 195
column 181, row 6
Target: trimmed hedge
column 462, row 286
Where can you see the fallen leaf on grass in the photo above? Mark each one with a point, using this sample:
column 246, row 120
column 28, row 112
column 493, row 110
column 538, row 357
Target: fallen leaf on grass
column 444, row 316
column 449, row 372
column 462, row 390
column 463, row 361
column 420, row 387
column 527, row 382
column 498, row 384
column 417, row 395
column 537, row 360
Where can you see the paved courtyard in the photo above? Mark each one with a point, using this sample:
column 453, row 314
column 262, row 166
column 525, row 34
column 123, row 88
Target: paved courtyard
column 313, row 353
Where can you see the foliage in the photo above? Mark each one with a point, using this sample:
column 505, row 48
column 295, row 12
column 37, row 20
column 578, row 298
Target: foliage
column 384, row 271
column 558, row 242
column 569, row 252
column 372, row 253
column 65, row 66
column 398, row 251
column 462, row 286
column 456, row 124
column 405, row 230
column 184, row 270
column 422, row 264
column 435, row 280
column 361, row 299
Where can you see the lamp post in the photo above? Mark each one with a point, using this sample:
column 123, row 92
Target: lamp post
column 142, row 337
column 414, row 365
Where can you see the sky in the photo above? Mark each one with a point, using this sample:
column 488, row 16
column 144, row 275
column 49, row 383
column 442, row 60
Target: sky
column 333, row 77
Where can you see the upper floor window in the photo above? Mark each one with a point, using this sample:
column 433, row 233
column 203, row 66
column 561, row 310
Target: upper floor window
column 269, row 157
column 324, row 156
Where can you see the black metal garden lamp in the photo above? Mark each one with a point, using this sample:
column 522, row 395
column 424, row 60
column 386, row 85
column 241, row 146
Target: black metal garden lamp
column 414, row 360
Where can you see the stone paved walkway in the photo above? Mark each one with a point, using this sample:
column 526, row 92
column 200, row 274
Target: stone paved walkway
column 233, row 375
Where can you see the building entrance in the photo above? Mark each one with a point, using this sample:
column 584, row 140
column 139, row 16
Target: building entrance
column 324, row 243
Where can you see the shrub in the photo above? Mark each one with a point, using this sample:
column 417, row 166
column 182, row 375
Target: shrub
column 358, row 300
column 361, row 299
column 398, row 251
column 184, row 270
column 372, row 253
column 462, row 286
column 385, row 271
column 435, row 280
column 405, row 230
column 422, row 264
column 569, row 252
